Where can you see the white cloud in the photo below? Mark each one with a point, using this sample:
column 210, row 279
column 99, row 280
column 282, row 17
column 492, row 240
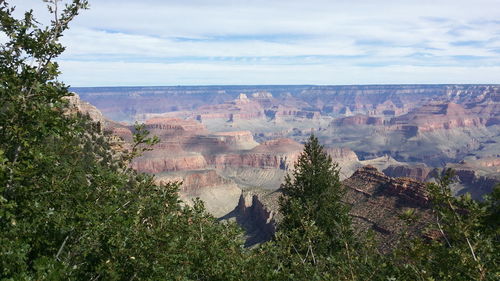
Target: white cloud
column 307, row 41
column 154, row 74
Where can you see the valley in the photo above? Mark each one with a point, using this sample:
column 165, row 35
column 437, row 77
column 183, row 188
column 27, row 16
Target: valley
column 221, row 141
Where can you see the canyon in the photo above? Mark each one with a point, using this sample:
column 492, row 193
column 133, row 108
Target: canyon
column 231, row 146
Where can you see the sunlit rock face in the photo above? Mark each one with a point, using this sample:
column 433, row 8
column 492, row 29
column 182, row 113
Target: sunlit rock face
column 76, row 104
column 253, row 135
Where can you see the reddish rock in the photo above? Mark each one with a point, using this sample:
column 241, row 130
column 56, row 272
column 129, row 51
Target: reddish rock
column 342, row 154
column 436, row 116
column 174, row 126
column 377, row 202
column 195, row 180
column 280, row 154
column 411, row 191
column 358, row 120
column 163, row 161
column 78, row 105
column 419, row 172
column 240, row 108
column 211, row 144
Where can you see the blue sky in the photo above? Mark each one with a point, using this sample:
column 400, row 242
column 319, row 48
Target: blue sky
column 183, row 42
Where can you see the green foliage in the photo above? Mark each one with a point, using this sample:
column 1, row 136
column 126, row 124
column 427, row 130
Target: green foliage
column 312, row 200
column 467, row 247
column 70, row 208
column 315, row 238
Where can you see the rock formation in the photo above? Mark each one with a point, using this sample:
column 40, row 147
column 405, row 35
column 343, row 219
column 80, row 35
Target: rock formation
column 220, row 195
column 257, row 219
column 436, row 116
column 419, row 172
column 358, row 120
column 78, row 105
column 252, row 135
column 377, row 201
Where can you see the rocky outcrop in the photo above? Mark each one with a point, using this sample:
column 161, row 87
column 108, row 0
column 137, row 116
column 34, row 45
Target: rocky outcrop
column 264, row 98
column 219, row 195
column 279, row 154
column 194, row 181
column 388, row 108
column 377, row 201
column 419, row 172
column 281, row 112
column 85, row 108
column 214, row 143
column 240, row 108
column 251, row 210
column 168, row 127
column 411, row 191
column 436, row 116
column 159, row 161
column 475, row 184
column 256, row 213
column 358, row 120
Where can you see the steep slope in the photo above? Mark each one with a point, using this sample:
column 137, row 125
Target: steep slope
column 376, row 201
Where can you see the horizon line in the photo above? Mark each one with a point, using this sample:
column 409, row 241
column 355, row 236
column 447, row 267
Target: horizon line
column 292, row 85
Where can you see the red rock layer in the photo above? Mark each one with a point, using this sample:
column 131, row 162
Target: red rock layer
column 358, row 120
column 418, row 172
column 409, row 190
column 174, row 126
column 240, row 108
column 158, row 162
column 436, row 116
column 194, row 181
column 280, row 154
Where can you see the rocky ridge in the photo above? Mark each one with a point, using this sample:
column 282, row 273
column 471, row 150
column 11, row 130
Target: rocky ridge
column 376, row 202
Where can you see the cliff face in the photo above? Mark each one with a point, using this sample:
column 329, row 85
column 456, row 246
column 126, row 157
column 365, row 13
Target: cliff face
column 220, row 195
column 162, row 161
column 221, row 101
column 240, row 108
column 438, row 115
column 358, row 120
column 409, row 191
column 376, row 202
column 85, row 108
column 214, row 143
column 418, row 172
column 166, row 127
column 257, row 219
column 279, row 154
column 426, row 118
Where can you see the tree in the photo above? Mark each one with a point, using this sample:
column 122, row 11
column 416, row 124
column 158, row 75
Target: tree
column 311, row 203
column 70, row 209
column 467, row 247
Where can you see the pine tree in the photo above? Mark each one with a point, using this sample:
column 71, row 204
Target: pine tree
column 311, row 202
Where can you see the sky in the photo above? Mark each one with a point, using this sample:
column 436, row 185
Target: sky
column 250, row 42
